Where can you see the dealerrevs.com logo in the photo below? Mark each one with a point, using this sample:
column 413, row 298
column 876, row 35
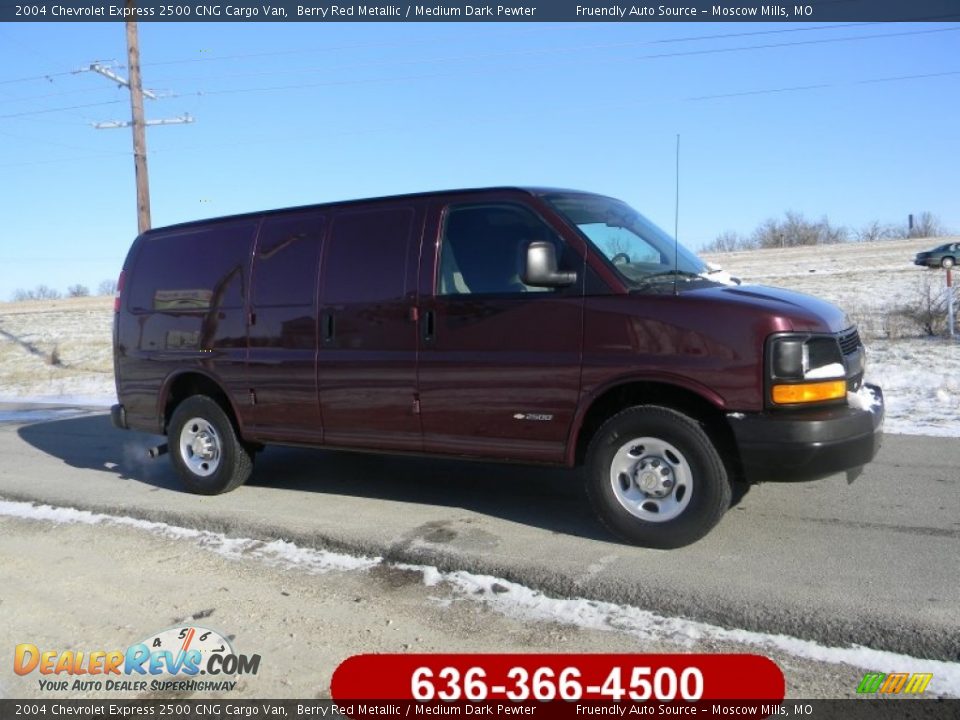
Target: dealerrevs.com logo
column 186, row 658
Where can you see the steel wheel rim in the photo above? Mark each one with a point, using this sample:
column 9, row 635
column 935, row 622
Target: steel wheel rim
column 651, row 479
column 200, row 447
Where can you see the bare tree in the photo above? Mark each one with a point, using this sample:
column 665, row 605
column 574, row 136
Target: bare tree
column 107, row 287
column 875, row 230
column 728, row 241
column 78, row 290
column 795, row 230
column 40, row 292
column 927, row 308
column 925, row 225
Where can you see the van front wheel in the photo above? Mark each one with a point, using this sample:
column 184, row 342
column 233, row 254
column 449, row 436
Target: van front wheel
column 655, row 479
column 205, row 449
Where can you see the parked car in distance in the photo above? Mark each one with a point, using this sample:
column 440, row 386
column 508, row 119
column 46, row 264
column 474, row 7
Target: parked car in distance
column 944, row 256
column 519, row 325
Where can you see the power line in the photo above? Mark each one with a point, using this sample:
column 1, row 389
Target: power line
column 58, row 109
column 921, row 76
column 579, row 48
column 747, row 93
column 695, row 98
column 444, row 60
column 55, row 161
column 382, row 128
column 45, row 141
column 685, row 53
column 364, row 46
column 700, row 98
column 565, row 50
column 79, row 91
column 46, row 76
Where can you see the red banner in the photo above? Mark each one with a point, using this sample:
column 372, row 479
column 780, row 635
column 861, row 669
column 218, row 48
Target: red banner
column 536, row 679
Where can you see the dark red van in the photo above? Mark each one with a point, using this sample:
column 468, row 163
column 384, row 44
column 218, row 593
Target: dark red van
column 523, row 325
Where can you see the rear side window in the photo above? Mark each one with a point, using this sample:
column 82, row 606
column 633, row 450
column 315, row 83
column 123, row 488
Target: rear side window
column 367, row 256
column 193, row 269
column 285, row 265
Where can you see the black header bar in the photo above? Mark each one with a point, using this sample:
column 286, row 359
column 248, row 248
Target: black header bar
column 859, row 709
column 479, row 11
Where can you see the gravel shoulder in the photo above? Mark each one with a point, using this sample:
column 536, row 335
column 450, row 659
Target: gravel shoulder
column 88, row 588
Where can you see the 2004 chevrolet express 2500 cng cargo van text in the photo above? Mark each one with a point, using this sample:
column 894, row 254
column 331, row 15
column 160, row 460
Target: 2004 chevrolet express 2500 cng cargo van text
column 525, row 325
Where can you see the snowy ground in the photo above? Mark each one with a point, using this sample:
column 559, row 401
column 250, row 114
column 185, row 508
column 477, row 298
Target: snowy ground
column 920, row 376
column 444, row 603
column 60, row 351
column 921, row 385
column 57, row 351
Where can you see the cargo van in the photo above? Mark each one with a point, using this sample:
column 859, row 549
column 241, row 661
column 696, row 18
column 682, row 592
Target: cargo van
column 510, row 324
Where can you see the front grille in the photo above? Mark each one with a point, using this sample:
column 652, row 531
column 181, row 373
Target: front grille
column 849, row 341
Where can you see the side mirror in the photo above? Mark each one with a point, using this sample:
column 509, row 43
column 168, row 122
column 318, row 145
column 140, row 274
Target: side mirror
column 540, row 269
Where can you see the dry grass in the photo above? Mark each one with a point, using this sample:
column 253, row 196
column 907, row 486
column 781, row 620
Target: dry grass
column 876, row 283
column 56, row 347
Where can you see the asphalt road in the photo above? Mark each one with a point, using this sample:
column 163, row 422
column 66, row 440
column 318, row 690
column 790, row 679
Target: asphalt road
column 874, row 563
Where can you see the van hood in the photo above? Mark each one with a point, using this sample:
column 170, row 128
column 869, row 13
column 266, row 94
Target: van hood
column 798, row 311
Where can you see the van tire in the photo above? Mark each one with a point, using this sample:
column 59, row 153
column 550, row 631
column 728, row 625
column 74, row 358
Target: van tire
column 655, row 479
column 205, row 449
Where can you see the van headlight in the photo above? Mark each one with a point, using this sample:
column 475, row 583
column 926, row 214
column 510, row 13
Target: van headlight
column 805, row 369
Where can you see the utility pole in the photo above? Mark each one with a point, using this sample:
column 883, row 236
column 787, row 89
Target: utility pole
column 139, row 128
column 137, row 121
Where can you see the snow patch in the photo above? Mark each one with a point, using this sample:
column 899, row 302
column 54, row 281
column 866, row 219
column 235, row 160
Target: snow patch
column 864, row 399
column 512, row 599
column 833, row 370
column 278, row 553
column 524, row 603
column 921, row 385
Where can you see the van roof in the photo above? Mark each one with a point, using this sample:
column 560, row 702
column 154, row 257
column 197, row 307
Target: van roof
column 361, row 201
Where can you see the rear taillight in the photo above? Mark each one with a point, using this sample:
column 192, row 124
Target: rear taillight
column 116, row 297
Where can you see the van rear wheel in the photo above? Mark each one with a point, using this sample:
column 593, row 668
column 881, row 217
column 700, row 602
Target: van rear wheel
column 655, row 479
column 205, row 449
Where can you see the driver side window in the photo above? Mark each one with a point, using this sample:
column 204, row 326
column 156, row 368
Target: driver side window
column 483, row 249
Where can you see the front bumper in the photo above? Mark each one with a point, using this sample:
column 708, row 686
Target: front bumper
column 808, row 444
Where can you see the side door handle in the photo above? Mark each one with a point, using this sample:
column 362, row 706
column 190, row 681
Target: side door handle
column 429, row 326
column 328, row 328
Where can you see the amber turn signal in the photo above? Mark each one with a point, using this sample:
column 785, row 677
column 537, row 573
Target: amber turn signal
column 809, row 392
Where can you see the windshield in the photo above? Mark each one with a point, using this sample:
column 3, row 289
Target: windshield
column 639, row 251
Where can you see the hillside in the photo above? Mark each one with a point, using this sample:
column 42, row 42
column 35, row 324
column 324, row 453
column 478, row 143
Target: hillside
column 871, row 281
column 57, row 350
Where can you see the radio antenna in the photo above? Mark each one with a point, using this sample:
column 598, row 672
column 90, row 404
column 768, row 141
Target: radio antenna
column 676, row 223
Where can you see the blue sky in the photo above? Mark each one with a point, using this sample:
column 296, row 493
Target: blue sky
column 772, row 117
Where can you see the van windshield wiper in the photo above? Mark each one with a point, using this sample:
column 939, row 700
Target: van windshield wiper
column 651, row 278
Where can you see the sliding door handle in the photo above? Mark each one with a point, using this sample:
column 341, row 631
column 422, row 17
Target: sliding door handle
column 329, row 328
column 429, row 326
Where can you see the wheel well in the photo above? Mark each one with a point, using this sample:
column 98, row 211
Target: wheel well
column 189, row 384
column 619, row 398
